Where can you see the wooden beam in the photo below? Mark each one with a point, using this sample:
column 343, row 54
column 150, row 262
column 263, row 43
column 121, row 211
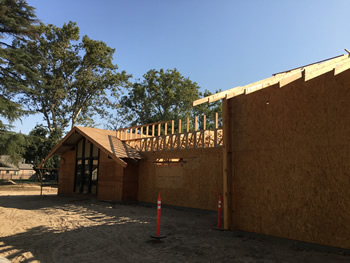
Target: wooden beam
column 216, row 120
column 204, row 122
column 166, row 128
column 214, row 97
column 159, row 127
column 179, row 130
column 227, row 164
column 341, row 68
column 195, row 123
column 153, row 130
column 283, row 78
column 172, row 127
column 238, row 91
column 316, row 70
column 285, row 81
column 188, row 125
column 251, row 89
column 311, row 74
column 200, row 101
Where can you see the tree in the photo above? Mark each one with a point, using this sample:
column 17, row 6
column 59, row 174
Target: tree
column 162, row 95
column 76, row 79
column 39, row 144
column 17, row 23
column 12, row 144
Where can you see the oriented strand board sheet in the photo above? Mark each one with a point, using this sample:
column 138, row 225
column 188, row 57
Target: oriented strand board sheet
column 130, row 181
column 66, row 173
column 195, row 184
column 291, row 165
column 169, row 177
column 110, row 179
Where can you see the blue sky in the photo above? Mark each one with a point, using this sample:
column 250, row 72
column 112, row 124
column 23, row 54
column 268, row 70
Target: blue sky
column 218, row 44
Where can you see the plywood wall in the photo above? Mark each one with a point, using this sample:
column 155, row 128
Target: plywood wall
column 196, row 184
column 291, row 160
column 66, row 173
column 130, row 181
column 110, row 179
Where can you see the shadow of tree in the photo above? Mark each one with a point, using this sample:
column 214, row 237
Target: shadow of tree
column 75, row 230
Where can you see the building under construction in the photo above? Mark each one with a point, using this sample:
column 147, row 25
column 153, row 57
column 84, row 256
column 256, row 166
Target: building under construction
column 280, row 158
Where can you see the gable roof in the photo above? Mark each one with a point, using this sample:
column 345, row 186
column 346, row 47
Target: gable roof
column 7, row 165
column 105, row 140
column 336, row 64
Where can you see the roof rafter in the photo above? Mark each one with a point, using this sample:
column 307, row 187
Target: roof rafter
column 336, row 64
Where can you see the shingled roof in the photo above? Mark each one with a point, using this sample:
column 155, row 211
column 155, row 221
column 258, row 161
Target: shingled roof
column 105, row 140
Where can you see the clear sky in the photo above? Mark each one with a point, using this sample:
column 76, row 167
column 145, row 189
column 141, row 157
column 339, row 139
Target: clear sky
column 220, row 44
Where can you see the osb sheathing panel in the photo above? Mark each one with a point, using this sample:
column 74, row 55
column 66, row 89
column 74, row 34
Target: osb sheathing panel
column 196, row 184
column 66, row 173
column 110, row 179
column 291, row 167
column 130, row 181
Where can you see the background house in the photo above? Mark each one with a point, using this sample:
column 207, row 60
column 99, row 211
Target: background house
column 10, row 171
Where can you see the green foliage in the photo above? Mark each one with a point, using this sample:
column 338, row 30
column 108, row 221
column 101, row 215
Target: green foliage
column 77, row 79
column 39, row 144
column 13, row 145
column 162, row 95
column 17, row 24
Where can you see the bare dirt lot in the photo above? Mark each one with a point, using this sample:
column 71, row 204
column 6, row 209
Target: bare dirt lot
column 50, row 228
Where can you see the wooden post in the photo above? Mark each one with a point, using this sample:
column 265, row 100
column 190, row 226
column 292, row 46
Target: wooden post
column 165, row 135
column 153, row 130
column 204, row 128
column 147, row 131
column 216, row 120
column 195, row 123
column 195, row 132
column 179, row 130
column 172, row 134
column 158, row 138
column 141, row 132
column 227, row 166
column 188, row 124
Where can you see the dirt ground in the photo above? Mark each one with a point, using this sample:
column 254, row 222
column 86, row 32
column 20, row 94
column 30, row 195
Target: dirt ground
column 50, row 228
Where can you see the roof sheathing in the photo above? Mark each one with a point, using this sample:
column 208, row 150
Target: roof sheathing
column 99, row 137
column 337, row 65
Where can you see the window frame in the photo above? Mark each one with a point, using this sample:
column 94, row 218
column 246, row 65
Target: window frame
column 90, row 160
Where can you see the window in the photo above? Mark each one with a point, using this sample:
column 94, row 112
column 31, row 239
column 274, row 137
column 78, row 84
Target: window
column 169, row 162
column 86, row 168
